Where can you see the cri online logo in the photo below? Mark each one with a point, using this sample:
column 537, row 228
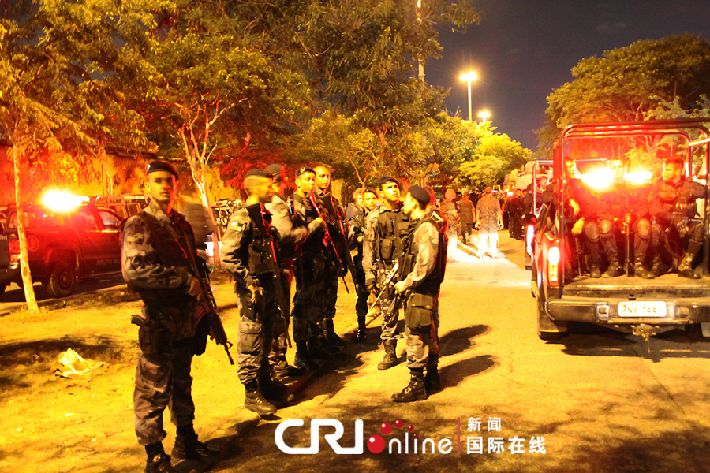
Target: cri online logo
column 375, row 443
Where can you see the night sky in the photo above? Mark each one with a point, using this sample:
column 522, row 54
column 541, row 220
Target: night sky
column 523, row 49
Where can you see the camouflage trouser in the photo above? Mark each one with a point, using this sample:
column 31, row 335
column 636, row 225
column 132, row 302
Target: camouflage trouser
column 256, row 328
column 163, row 380
column 307, row 305
column 421, row 322
column 390, row 313
column 361, row 289
column 329, row 296
column 280, row 341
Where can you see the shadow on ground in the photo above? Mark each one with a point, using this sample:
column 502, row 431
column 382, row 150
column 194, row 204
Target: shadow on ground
column 592, row 340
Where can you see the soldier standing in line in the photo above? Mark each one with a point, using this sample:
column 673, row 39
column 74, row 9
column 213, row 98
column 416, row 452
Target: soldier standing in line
column 158, row 261
column 489, row 219
column 249, row 253
column 365, row 201
column 292, row 231
column 382, row 246
column 310, row 265
column 422, row 269
column 337, row 253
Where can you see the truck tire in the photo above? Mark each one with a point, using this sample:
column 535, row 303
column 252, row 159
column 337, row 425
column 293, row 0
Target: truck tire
column 547, row 330
column 3, row 286
column 62, row 281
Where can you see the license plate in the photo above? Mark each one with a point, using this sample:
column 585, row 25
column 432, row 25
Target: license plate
column 643, row 309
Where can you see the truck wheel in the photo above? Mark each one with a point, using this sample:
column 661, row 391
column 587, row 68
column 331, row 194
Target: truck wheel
column 2, row 288
column 547, row 330
column 62, row 280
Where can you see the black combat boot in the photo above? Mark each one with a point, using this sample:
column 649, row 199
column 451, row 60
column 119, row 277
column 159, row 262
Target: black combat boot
column 274, row 391
column 319, row 348
column 685, row 268
column 158, row 461
column 303, row 360
column 657, row 268
column 331, row 337
column 390, row 358
column 641, row 271
column 284, row 371
column 415, row 390
column 188, row 447
column 432, row 381
column 255, row 401
column 613, row 270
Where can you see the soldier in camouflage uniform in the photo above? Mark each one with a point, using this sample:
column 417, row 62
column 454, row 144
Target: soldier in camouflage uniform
column 249, row 253
column 382, row 246
column 292, row 231
column 422, row 268
column 310, row 265
column 489, row 219
column 337, row 253
column 365, row 202
column 158, row 261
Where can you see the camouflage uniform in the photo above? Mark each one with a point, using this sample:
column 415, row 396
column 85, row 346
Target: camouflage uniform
column 356, row 223
column 335, row 263
column 423, row 264
column 676, row 207
column 248, row 252
column 310, row 266
column 157, row 260
column 382, row 247
column 292, row 230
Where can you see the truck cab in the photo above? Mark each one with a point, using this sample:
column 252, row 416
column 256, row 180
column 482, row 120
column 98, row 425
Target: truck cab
column 613, row 174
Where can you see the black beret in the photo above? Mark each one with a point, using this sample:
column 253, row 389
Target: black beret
column 385, row 179
column 256, row 172
column 155, row 166
column 420, row 194
column 304, row 170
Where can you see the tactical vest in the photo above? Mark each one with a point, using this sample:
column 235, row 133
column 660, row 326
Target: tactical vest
column 430, row 285
column 173, row 248
column 304, row 211
column 391, row 227
column 260, row 252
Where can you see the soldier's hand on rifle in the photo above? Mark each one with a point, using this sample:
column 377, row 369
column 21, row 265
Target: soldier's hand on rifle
column 193, row 286
column 578, row 226
column 315, row 225
column 255, row 291
column 400, row 287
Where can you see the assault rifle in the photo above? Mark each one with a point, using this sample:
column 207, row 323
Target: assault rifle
column 393, row 276
column 330, row 243
column 207, row 309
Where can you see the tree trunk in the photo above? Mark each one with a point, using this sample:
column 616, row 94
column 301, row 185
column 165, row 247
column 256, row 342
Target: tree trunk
column 32, row 306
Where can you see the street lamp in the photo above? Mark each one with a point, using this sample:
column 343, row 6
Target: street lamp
column 484, row 115
column 469, row 77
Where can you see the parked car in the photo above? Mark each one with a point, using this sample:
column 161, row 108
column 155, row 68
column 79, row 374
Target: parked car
column 63, row 247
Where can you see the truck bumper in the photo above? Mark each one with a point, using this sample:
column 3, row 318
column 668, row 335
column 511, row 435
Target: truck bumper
column 679, row 311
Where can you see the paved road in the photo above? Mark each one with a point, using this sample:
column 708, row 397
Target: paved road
column 600, row 401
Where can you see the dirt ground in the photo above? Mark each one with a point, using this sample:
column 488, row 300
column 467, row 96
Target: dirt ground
column 54, row 424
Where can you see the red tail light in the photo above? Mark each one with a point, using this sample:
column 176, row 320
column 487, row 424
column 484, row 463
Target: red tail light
column 553, row 266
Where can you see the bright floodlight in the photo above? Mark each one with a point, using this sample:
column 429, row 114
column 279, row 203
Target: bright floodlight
column 61, row 201
column 469, row 76
column 484, row 115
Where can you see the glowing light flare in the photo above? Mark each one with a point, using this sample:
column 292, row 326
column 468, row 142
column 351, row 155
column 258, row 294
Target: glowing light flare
column 61, row 201
column 600, row 179
column 469, row 76
column 553, row 255
column 639, row 177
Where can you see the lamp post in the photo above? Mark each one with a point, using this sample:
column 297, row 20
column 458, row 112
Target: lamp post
column 484, row 115
column 469, row 77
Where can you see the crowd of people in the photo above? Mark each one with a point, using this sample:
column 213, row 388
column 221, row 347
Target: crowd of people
column 400, row 244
